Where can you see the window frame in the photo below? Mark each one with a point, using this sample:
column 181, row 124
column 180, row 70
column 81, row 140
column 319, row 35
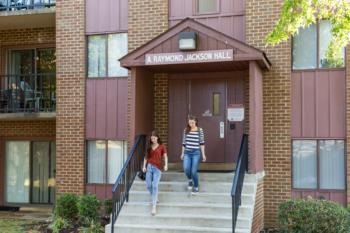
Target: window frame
column 217, row 11
column 317, row 54
column 105, row 175
column 106, row 53
column 318, row 188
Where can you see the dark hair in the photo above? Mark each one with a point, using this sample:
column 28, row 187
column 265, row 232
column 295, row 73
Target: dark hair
column 149, row 144
column 188, row 127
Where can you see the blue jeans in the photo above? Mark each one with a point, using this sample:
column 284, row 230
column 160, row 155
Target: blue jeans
column 190, row 164
column 153, row 175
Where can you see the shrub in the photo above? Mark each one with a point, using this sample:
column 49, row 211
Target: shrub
column 108, row 206
column 58, row 224
column 313, row 216
column 88, row 207
column 66, row 207
column 94, row 227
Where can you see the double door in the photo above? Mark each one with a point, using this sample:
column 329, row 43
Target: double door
column 207, row 99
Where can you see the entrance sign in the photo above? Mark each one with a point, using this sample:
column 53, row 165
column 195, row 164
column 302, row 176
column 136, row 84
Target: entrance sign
column 189, row 57
column 235, row 112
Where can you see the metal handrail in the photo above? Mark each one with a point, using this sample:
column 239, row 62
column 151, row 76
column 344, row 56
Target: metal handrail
column 27, row 93
column 121, row 188
column 14, row 5
column 237, row 184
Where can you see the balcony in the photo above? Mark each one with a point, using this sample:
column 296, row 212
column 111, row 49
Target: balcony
column 18, row 14
column 30, row 96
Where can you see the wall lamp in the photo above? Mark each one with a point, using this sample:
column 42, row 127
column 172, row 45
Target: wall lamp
column 187, row 40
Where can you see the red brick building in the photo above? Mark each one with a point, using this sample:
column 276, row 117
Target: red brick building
column 70, row 109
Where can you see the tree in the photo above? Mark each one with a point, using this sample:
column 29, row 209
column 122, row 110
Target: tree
column 302, row 13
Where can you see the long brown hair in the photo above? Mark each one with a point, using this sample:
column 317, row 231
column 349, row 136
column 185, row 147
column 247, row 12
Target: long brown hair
column 149, row 144
column 188, row 127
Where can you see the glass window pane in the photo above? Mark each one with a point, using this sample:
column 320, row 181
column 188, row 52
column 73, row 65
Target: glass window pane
column 117, row 48
column 40, row 172
column 332, row 173
column 325, row 38
column 305, row 48
column 304, row 164
column 216, row 104
column 52, row 181
column 97, row 56
column 207, row 6
column 96, row 162
column 116, row 159
column 17, row 172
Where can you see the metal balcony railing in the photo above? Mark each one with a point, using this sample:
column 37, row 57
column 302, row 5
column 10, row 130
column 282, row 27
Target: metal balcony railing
column 13, row 5
column 28, row 93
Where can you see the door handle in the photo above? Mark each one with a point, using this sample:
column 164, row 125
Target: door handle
column 222, row 129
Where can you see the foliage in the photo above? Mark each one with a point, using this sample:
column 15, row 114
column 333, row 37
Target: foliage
column 58, row 224
column 88, row 208
column 313, row 216
column 94, row 227
column 302, row 13
column 66, row 207
column 108, row 204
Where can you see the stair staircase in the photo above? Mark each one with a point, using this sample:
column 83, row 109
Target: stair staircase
column 210, row 211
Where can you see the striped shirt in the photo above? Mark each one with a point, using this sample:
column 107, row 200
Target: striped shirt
column 193, row 139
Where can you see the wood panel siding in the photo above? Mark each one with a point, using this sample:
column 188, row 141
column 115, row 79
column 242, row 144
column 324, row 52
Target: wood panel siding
column 318, row 104
column 106, row 108
column 106, row 16
column 229, row 18
column 332, row 195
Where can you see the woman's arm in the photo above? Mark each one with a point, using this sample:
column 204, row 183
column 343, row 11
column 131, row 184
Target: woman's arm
column 201, row 142
column 166, row 162
column 183, row 145
column 144, row 169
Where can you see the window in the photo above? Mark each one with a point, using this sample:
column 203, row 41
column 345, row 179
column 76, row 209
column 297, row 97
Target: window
column 30, row 172
column 310, row 46
column 207, row 6
column 103, row 54
column 105, row 159
column 318, row 164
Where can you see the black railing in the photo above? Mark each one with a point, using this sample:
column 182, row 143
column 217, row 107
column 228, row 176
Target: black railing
column 27, row 93
column 121, row 188
column 13, row 5
column 241, row 169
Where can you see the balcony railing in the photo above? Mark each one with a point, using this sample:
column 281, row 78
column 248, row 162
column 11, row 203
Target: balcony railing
column 28, row 93
column 13, row 5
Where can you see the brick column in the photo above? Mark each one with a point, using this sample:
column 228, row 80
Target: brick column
column 146, row 20
column 70, row 129
column 260, row 18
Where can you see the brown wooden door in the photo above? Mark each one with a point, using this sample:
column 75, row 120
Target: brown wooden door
column 207, row 103
column 193, row 94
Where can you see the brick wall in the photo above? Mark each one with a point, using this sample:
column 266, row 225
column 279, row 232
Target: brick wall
column 260, row 18
column 146, row 20
column 27, row 36
column 70, row 50
column 24, row 129
column 161, row 106
column 258, row 217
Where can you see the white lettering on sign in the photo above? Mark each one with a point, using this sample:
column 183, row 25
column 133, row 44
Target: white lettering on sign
column 189, row 57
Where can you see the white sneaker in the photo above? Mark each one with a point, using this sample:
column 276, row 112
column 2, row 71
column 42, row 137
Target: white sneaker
column 195, row 191
column 190, row 185
column 154, row 210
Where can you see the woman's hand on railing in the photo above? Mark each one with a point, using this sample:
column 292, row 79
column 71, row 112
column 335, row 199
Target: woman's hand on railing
column 144, row 169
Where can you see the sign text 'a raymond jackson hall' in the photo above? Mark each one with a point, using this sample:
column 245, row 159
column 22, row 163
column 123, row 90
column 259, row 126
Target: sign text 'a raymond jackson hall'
column 189, row 57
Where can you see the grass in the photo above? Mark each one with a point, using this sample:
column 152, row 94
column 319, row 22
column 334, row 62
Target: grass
column 17, row 226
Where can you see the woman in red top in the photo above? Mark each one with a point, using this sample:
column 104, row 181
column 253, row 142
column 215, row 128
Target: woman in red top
column 153, row 160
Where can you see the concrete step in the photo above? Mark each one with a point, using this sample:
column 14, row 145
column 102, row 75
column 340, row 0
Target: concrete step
column 245, row 211
column 179, row 208
column 248, row 188
column 132, row 228
column 175, row 220
column 203, row 176
column 143, row 196
column 240, row 230
column 178, row 186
